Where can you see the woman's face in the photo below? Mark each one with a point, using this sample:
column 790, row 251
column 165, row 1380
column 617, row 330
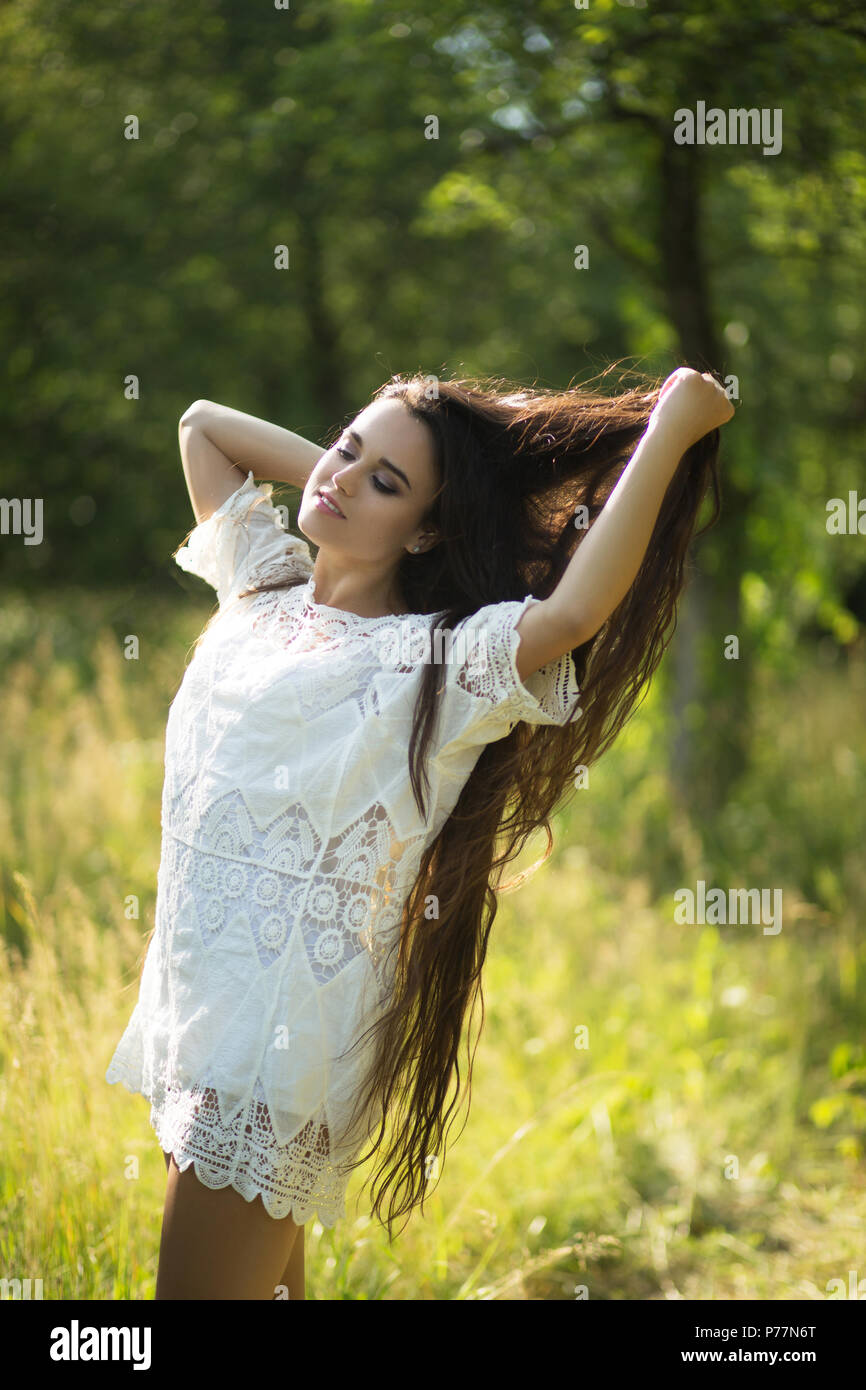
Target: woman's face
column 381, row 475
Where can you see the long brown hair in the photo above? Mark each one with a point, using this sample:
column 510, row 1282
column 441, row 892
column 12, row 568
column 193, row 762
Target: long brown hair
column 514, row 466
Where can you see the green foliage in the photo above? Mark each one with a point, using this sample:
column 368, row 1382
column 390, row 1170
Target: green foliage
column 153, row 257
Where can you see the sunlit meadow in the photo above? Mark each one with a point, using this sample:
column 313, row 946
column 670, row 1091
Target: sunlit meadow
column 706, row 1144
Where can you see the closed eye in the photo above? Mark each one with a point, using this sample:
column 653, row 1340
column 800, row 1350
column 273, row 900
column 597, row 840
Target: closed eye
column 377, row 481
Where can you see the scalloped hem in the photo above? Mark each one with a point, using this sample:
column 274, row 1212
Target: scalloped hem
column 213, row 1173
column 250, row 1191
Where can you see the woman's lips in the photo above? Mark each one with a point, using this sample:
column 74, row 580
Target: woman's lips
column 324, row 507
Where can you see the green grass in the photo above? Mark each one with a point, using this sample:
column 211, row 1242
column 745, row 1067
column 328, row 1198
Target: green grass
column 707, row 1144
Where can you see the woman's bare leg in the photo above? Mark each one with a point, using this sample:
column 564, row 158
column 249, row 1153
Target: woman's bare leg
column 293, row 1274
column 294, row 1277
column 217, row 1245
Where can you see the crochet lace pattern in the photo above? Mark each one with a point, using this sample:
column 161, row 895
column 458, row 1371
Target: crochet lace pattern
column 290, row 842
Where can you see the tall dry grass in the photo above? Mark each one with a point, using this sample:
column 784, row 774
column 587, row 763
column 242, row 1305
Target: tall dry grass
column 706, row 1144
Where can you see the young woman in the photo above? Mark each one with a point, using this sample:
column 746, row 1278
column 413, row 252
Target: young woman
column 355, row 738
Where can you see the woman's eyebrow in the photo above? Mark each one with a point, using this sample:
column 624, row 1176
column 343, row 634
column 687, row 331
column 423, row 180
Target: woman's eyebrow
column 386, row 463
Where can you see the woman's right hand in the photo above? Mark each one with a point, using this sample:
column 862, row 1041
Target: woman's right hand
column 690, row 405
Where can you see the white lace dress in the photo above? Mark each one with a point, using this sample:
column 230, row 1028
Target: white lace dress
column 290, row 841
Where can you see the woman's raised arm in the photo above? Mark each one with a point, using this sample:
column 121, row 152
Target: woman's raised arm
column 604, row 566
column 220, row 446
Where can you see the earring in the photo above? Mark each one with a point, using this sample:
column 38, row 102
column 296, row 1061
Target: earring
column 416, row 548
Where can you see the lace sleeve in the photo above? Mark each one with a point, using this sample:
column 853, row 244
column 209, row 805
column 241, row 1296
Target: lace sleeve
column 243, row 542
column 483, row 696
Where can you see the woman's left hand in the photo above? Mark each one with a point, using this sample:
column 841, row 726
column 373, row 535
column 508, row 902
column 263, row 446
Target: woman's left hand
column 690, row 404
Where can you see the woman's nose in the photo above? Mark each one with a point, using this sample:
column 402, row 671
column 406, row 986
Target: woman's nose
column 341, row 478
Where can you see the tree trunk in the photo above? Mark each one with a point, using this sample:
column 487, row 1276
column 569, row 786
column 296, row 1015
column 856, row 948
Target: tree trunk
column 710, row 694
